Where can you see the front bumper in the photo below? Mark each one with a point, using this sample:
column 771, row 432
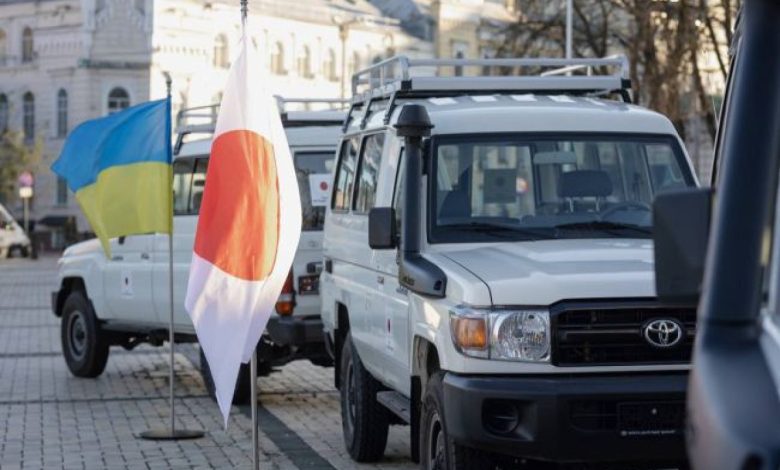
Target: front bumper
column 296, row 331
column 571, row 418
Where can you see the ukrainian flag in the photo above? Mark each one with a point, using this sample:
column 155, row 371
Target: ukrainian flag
column 119, row 167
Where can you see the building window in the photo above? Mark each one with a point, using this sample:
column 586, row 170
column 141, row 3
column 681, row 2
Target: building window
column 28, row 114
column 304, row 63
column 62, row 113
column 329, row 65
column 118, row 99
column 62, row 191
column 3, row 48
column 277, row 59
column 354, row 63
column 458, row 68
column 27, row 45
column 3, row 113
column 221, row 59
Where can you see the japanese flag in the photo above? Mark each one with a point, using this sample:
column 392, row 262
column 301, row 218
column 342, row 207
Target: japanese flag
column 248, row 229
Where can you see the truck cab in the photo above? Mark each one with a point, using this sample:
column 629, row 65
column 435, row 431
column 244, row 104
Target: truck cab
column 124, row 300
column 488, row 263
column 722, row 254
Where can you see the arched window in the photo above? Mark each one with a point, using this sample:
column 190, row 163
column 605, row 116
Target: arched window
column 459, row 68
column 62, row 113
column 277, row 59
column 28, row 116
column 304, row 63
column 329, row 65
column 27, row 45
column 3, row 48
column 354, row 63
column 3, row 113
column 118, row 99
column 221, row 52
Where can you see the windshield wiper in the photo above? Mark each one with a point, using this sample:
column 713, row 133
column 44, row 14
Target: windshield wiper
column 495, row 229
column 603, row 225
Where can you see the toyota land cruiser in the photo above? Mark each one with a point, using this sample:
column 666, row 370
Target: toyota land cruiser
column 124, row 300
column 488, row 272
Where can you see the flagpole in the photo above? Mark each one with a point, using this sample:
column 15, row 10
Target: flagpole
column 171, row 433
column 253, row 361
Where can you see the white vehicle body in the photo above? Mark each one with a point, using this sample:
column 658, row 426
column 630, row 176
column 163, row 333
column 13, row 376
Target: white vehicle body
column 13, row 240
column 129, row 293
column 404, row 336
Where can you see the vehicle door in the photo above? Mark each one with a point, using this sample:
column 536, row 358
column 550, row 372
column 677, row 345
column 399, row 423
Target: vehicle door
column 314, row 169
column 127, row 280
column 392, row 302
column 189, row 179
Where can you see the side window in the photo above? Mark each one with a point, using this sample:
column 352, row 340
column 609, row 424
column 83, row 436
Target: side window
column 345, row 175
column 398, row 191
column 369, row 171
column 198, row 184
column 182, row 186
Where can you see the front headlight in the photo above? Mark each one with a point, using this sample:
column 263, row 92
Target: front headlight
column 514, row 335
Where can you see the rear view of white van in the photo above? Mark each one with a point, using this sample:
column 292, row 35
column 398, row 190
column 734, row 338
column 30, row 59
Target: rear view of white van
column 13, row 240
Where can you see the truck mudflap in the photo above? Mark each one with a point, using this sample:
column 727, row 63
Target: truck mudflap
column 571, row 418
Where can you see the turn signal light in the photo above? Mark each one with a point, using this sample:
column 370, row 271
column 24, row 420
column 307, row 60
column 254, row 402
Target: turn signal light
column 469, row 333
column 286, row 302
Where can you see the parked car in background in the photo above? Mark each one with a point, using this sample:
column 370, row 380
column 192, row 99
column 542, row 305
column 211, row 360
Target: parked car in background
column 124, row 300
column 723, row 253
column 13, row 240
column 489, row 267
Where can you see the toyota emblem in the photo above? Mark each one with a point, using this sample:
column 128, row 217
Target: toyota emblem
column 663, row 333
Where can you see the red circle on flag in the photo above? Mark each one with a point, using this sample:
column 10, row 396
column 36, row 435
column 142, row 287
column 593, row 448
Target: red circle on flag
column 324, row 186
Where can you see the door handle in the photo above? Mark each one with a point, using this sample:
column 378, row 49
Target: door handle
column 380, row 279
column 144, row 255
column 117, row 258
column 401, row 290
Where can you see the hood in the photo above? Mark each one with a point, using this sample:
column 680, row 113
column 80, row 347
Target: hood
column 545, row 272
column 83, row 248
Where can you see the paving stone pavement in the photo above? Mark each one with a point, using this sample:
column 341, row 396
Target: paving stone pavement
column 50, row 419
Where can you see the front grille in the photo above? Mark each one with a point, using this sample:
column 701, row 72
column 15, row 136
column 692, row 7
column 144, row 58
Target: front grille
column 597, row 334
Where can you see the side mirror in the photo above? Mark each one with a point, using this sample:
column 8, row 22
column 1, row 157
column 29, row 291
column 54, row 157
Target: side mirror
column 681, row 226
column 381, row 228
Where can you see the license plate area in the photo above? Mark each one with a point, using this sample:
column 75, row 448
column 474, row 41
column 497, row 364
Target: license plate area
column 309, row 285
column 651, row 419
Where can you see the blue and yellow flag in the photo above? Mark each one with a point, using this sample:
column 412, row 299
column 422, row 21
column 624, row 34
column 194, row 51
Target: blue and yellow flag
column 119, row 167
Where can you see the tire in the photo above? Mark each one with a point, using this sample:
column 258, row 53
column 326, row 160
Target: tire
column 364, row 421
column 437, row 450
column 84, row 345
column 243, row 392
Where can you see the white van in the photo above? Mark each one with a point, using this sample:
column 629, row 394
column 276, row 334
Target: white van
column 124, row 300
column 13, row 240
column 489, row 267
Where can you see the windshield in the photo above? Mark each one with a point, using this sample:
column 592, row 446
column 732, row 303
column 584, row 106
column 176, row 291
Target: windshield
column 314, row 178
column 530, row 188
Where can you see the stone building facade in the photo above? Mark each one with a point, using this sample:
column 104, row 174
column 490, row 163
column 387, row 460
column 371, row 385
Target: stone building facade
column 66, row 61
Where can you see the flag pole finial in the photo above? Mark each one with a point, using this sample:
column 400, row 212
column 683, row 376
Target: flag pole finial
column 244, row 10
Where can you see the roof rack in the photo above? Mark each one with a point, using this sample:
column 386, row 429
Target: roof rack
column 313, row 112
column 401, row 77
column 203, row 119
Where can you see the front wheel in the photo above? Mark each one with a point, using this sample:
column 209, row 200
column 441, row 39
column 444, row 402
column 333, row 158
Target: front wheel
column 364, row 421
column 437, row 450
column 84, row 346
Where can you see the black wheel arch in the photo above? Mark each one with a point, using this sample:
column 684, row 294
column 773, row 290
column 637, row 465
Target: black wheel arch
column 68, row 285
column 339, row 336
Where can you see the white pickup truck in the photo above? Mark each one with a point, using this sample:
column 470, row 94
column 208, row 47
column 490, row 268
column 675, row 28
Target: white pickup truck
column 13, row 240
column 489, row 268
column 124, row 300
